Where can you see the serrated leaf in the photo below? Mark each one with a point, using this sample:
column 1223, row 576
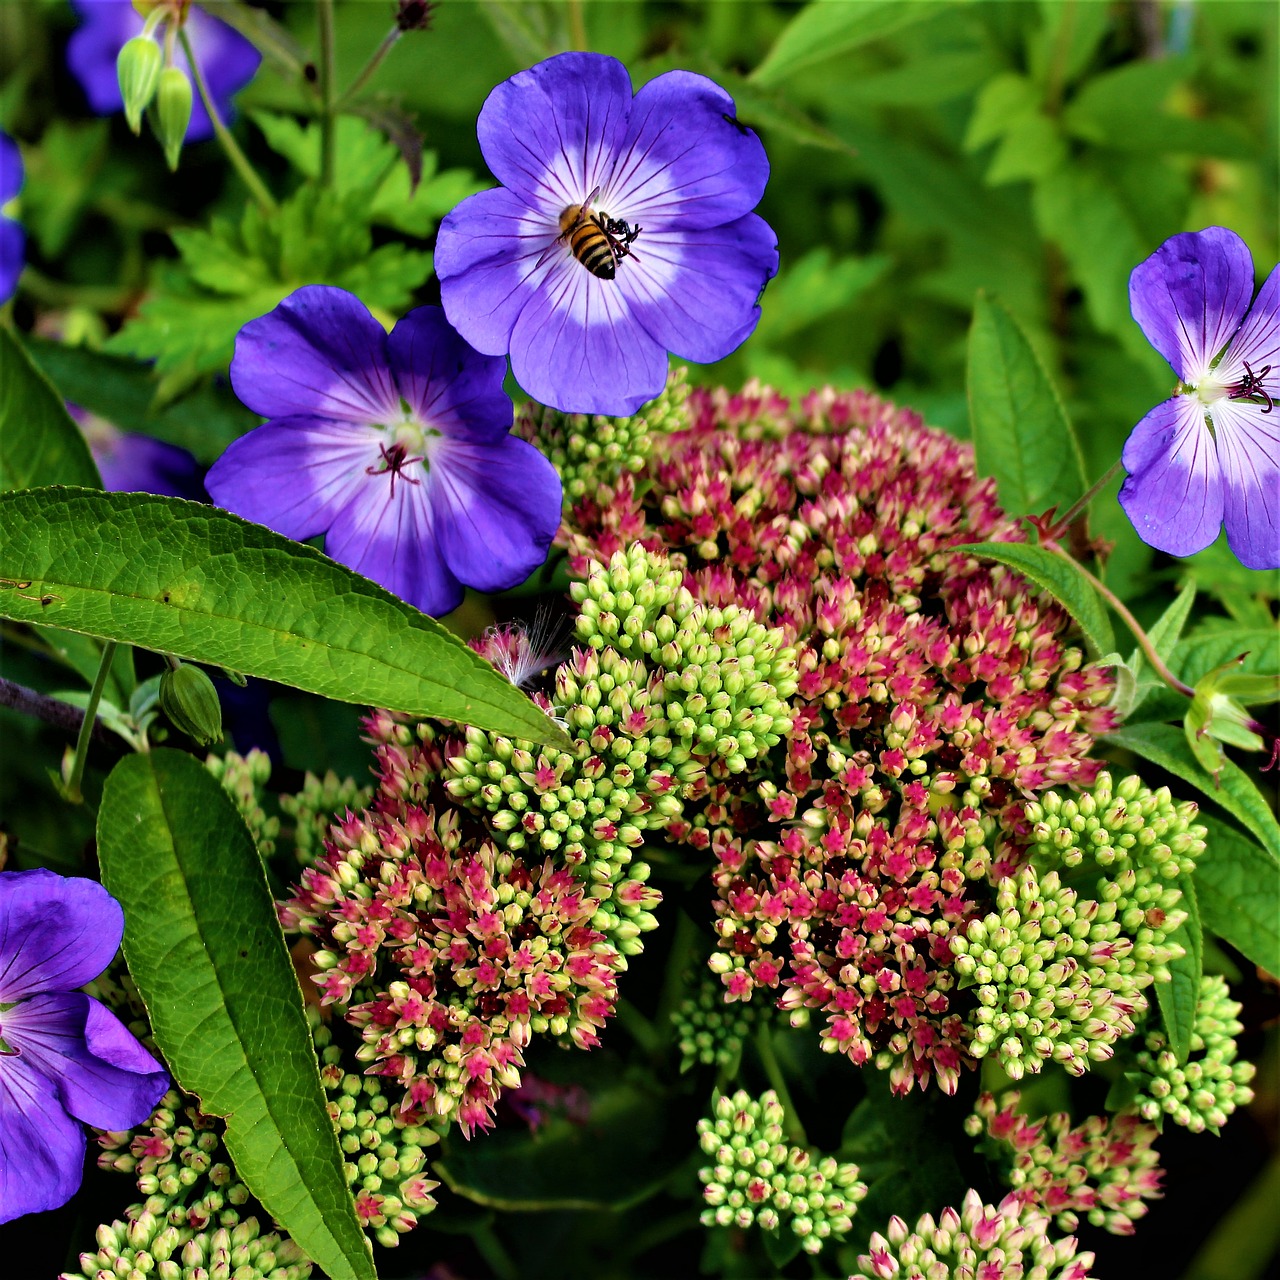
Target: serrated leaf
column 1021, row 434
column 204, row 585
column 1003, row 101
column 1031, row 147
column 1167, row 746
column 1062, row 579
column 1238, row 889
column 826, row 28
column 39, row 441
column 204, row 946
column 1178, row 997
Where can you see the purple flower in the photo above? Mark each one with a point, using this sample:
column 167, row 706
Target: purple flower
column 12, row 238
column 132, row 463
column 668, row 179
column 397, row 448
column 1211, row 453
column 227, row 59
column 64, row 1058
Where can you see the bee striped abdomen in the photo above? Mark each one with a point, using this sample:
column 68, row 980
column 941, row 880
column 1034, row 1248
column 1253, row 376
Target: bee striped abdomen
column 588, row 241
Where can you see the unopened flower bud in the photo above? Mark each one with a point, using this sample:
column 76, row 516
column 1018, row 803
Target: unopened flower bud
column 189, row 699
column 138, row 71
column 173, row 112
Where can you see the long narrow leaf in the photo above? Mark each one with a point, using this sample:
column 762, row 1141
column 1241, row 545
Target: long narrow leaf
column 205, row 949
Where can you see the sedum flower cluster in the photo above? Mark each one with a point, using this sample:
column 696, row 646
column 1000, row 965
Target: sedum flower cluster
column 758, row 1178
column 1203, row 1091
column 934, row 694
column 1104, row 1169
column 1009, row 1241
column 710, row 1032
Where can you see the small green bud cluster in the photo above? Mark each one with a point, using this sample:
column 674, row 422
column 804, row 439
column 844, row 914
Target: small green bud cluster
column 148, row 77
column 1002, row 1241
column 244, row 778
column 1054, row 977
column 145, row 1245
column 758, row 1178
column 712, row 1033
column 726, row 678
column 384, row 1158
column 1139, row 841
column 180, row 1164
column 1202, row 1092
column 593, row 451
column 313, row 808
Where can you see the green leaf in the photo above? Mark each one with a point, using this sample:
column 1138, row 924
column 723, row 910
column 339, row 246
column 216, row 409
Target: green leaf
column 204, row 585
column 1178, row 997
column 571, row 1165
column 826, row 28
column 1031, row 148
column 1021, row 433
column 237, row 271
column 63, row 175
column 203, row 945
column 1061, row 578
column 1003, row 100
column 812, row 287
column 123, row 391
column 39, row 441
column 1163, row 634
column 1166, row 746
column 1238, row 888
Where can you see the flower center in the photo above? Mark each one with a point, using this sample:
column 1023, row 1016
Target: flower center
column 404, row 442
column 596, row 240
column 1211, row 389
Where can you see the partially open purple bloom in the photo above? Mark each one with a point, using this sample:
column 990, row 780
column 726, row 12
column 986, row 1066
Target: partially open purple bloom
column 1211, row 453
column 227, row 59
column 12, row 239
column 64, row 1057
column 622, row 231
column 397, row 448
column 132, row 463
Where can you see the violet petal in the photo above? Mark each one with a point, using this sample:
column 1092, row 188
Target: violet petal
column 319, row 352
column 41, row 1147
column 1173, row 492
column 695, row 290
column 497, row 509
column 102, row 1075
column 56, row 932
column 295, row 475
column 1248, row 442
column 448, row 384
column 1190, row 296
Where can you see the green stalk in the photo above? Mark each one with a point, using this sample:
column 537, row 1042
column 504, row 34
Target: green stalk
column 327, row 71
column 389, row 42
column 76, row 776
column 778, row 1082
column 239, row 161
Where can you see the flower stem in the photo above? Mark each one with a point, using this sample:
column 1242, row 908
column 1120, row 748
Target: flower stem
column 1144, row 641
column 1063, row 523
column 638, row 1027
column 773, row 1069
column 239, row 161
column 76, row 776
column 577, row 26
column 389, row 42
column 327, row 71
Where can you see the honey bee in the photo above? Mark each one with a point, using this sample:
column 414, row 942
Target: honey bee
column 598, row 241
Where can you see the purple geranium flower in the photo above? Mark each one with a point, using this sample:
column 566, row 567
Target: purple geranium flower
column 397, row 448
column 227, row 59
column 1210, row 453
column 132, row 463
column 64, row 1057
column 655, row 191
column 12, row 238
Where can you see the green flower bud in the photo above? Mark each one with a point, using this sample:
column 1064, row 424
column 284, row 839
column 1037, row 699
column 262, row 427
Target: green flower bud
column 191, row 702
column 138, row 70
column 173, row 112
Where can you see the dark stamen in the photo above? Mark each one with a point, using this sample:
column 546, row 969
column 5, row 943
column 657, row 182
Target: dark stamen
column 394, row 460
column 1251, row 385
